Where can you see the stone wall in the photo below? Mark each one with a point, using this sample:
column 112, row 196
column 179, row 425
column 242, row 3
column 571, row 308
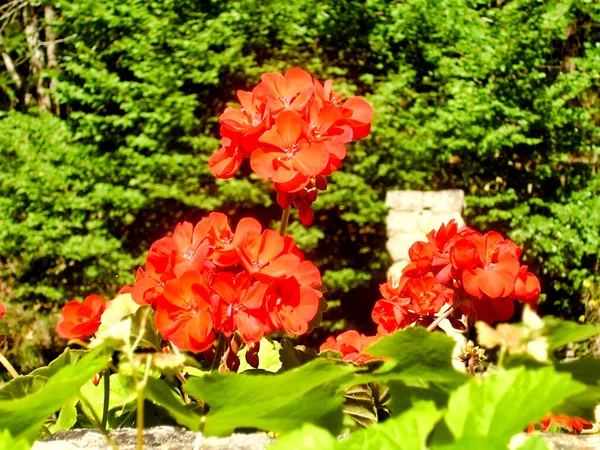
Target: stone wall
column 413, row 214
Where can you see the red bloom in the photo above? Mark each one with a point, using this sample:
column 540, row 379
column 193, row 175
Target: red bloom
column 351, row 345
column 527, row 287
column 242, row 307
column 295, row 131
column 291, row 306
column 490, row 264
column 263, row 256
column 291, row 91
column 2, row 310
column 81, row 320
column 184, row 315
column 225, row 162
column 288, row 158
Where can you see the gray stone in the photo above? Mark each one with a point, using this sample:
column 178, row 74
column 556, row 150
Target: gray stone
column 404, row 200
column 559, row 441
column 163, row 438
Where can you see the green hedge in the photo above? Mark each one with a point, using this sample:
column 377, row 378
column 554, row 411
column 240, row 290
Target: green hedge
column 497, row 98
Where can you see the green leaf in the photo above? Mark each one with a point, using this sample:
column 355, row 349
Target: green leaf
column 294, row 356
column 360, row 405
column 416, row 353
column 489, row 411
column 311, row 393
column 69, row 356
column 268, row 357
column 404, row 395
column 164, row 395
column 22, row 386
column 66, row 418
column 586, row 370
column 534, row 443
column 408, row 431
column 122, row 393
column 24, row 417
column 7, row 442
column 562, row 332
column 307, row 437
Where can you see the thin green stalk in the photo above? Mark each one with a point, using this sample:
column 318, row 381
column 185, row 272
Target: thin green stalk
column 141, row 388
column 285, row 217
column 98, row 424
column 8, row 366
column 106, row 403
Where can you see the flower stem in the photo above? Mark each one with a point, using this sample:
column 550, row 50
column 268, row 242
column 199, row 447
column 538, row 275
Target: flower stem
column 8, row 366
column 433, row 325
column 221, row 344
column 141, row 388
column 285, row 217
column 106, row 398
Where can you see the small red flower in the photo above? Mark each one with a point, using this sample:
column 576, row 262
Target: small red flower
column 81, row 320
column 184, row 314
column 291, row 306
column 351, row 345
column 2, row 310
column 574, row 425
column 242, row 307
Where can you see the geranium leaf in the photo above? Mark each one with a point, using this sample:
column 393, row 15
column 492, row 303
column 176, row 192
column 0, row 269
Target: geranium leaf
column 415, row 353
column 562, row 332
column 489, row 411
column 66, row 418
column 163, row 395
column 408, row 431
column 311, row 393
column 67, row 357
column 25, row 416
column 7, row 442
column 22, row 386
column 307, row 437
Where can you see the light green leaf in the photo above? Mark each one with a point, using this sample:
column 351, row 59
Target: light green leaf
column 490, row 410
column 408, row 431
column 163, row 395
column 7, row 442
column 311, row 393
column 307, row 437
column 562, row 332
column 24, row 417
column 268, row 357
column 416, row 353
column 66, row 418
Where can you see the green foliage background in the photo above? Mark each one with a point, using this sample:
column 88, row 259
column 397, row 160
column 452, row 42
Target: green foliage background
column 499, row 98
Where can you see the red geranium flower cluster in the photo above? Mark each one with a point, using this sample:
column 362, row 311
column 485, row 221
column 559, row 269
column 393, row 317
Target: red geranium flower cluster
column 294, row 130
column 478, row 275
column 207, row 278
column 460, row 269
column 574, row 425
column 81, row 319
column 351, row 345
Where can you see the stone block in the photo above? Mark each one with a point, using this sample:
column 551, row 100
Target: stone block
column 429, row 220
column 447, row 201
column 395, row 271
column 401, row 222
column 398, row 245
column 404, row 200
